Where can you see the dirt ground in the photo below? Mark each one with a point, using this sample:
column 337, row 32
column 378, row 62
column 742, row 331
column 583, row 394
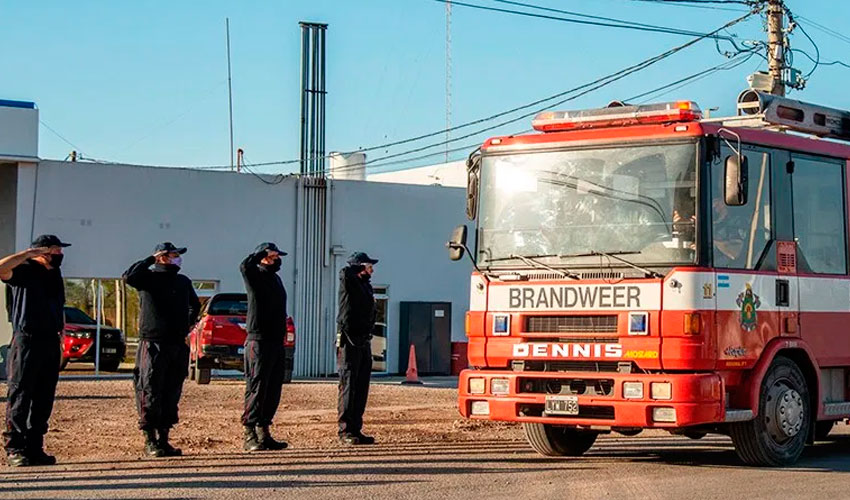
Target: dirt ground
column 96, row 420
column 424, row 451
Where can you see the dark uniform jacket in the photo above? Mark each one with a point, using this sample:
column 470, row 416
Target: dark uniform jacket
column 36, row 299
column 266, row 300
column 357, row 311
column 169, row 305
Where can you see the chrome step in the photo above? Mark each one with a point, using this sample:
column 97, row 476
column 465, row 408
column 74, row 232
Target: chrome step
column 739, row 415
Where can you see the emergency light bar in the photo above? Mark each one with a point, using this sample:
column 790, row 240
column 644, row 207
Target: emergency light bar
column 679, row 111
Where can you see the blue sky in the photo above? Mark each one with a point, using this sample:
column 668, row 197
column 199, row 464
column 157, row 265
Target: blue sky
column 145, row 82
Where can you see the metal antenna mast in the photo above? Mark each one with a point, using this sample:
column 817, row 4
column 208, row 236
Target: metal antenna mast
column 448, row 75
column 229, row 91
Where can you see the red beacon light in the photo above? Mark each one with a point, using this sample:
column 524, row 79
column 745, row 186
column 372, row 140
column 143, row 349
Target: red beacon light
column 618, row 116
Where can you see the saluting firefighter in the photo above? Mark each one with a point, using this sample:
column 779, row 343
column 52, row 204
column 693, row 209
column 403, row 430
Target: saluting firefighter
column 264, row 351
column 355, row 322
column 169, row 308
column 36, row 311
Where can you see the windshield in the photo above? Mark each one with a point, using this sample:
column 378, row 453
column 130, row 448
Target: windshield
column 229, row 305
column 636, row 201
column 74, row 316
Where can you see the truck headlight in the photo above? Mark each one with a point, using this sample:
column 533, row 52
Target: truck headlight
column 664, row 415
column 633, row 390
column 476, row 386
column 661, row 390
column 480, row 408
column 500, row 386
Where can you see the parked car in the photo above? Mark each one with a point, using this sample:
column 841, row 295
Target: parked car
column 218, row 340
column 79, row 339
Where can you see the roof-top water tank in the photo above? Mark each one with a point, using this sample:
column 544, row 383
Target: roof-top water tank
column 348, row 166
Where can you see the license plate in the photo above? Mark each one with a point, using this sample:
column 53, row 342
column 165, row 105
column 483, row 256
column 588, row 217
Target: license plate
column 562, row 405
column 240, row 350
column 110, row 350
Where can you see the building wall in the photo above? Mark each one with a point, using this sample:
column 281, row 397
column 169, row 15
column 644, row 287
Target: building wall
column 406, row 228
column 8, row 213
column 451, row 174
column 18, row 131
column 115, row 214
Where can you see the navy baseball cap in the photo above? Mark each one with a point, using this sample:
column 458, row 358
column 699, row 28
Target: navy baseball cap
column 48, row 240
column 169, row 247
column 269, row 247
column 361, row 258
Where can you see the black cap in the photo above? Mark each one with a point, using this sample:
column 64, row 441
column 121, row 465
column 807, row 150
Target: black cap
column 361, row 258
column 269, row 247
column 168, row 247
column 48, row 240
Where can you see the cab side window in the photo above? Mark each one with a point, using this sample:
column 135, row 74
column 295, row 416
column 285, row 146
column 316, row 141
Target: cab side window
column 819, row 225
column 740, row 235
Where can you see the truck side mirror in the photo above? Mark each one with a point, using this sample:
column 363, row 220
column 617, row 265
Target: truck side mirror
column 737, row 180
column 457, row 243
column 472, row 181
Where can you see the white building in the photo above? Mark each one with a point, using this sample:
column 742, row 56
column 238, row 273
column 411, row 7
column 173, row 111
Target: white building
column 451, row 174
column 115, row 214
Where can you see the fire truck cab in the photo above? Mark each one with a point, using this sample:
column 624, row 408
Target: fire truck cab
column 642, row 267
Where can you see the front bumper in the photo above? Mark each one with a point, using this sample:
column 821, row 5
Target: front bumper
column 231, row 357
column 83, row 350
column 696, row 398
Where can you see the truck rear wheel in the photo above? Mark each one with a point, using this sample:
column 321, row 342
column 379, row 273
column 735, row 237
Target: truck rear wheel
column 556, row 441
column 203, row 375
column 777, row 436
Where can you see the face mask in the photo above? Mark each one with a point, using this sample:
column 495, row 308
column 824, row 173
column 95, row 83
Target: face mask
column 274, row 267
column 177, row 261
column 56, row 260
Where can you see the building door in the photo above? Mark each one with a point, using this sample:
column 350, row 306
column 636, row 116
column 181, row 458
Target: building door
column 427, row 327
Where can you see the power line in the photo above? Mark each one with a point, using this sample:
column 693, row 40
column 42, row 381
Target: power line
column 682, row 4
column 825, row 29
column 585, row 88
column 629, row 25
column 60, row 136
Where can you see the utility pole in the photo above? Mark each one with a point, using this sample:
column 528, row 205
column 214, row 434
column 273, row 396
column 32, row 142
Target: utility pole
column 776, row 45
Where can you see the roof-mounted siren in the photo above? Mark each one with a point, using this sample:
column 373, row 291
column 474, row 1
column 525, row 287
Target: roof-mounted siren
column 795, row 115
column 616, row 115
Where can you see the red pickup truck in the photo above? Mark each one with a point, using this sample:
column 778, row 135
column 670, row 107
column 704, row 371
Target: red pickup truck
column 218, row 340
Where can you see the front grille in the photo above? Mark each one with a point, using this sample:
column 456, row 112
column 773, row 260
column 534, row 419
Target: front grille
column 572, row 366
column 602, row 275
column 566, row 386
column 571, row 324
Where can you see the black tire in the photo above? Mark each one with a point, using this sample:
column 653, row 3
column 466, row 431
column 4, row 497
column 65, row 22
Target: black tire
column 694, row 434
column 203, row 375
column 63, row 364
column 110, row 366
column 556, row 441
column 778, row 435
column 822, row 429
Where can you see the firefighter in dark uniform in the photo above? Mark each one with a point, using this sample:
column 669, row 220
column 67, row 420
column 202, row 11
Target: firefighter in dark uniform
column 169, row 307
column 355, row 322
column 36, row 311
column 264, row 351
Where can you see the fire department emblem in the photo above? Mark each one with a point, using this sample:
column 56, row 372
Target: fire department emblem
column 749, row 303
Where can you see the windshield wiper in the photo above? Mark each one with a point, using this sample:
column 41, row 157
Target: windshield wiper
column 531, row 261
column 614, row 255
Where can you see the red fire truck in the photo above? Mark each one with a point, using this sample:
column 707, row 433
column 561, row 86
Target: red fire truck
column 641, row 267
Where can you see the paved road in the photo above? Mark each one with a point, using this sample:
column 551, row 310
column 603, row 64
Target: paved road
column 646, row 467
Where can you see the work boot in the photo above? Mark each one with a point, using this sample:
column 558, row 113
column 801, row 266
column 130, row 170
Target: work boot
column 166, row 447
column 364, row 439
column 252, row 442
column 349, row 439
column 264, row 435
column 39, row 457
column 17, row 459
column 152, row 448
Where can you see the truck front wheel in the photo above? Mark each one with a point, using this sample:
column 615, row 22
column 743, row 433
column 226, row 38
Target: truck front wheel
column 777, row 436
column 556, row 441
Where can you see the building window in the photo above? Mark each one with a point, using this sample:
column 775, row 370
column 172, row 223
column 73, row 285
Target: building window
column 379, row 334
column 818, row 190
column 740, row 235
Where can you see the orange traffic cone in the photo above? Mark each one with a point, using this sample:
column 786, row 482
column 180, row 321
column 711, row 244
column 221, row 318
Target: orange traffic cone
column 412, row 373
